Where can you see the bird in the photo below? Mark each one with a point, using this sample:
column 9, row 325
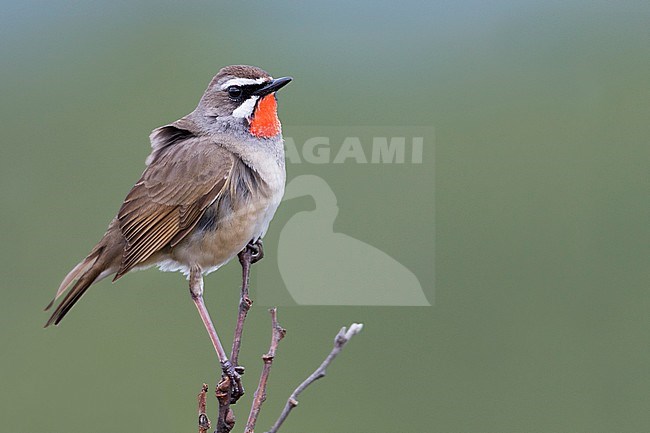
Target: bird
column 211, row 186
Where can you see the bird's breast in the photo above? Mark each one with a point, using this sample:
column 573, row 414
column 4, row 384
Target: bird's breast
column 241, row 214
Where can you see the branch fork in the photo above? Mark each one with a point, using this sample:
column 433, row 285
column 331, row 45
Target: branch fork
column 226, row 418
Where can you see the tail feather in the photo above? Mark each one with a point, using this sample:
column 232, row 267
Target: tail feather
column 85, row 274
column 74, row 274
column 102, row 261
column 74, row 294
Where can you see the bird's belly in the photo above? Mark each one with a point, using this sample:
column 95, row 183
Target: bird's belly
column 214, row 243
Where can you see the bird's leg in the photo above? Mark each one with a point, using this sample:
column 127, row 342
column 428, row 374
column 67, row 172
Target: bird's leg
column 196, row 291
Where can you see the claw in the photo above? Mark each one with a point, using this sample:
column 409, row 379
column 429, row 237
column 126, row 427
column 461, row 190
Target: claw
column 257, row 250
column 234, row 376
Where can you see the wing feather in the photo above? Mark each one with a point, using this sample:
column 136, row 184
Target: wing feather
column 171, row 196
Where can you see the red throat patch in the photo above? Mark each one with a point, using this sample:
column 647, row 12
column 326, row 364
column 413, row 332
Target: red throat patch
column 265, row 122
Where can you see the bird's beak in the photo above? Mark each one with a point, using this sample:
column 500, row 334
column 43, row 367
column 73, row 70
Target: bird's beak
column 273, row 86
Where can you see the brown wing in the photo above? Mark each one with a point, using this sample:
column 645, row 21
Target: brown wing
column 170, row 198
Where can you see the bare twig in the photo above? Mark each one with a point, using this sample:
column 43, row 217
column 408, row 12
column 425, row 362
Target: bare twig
column 340, row 341
column 226, row 419
column 246, row 259
column 204, row 422
column 277, row 334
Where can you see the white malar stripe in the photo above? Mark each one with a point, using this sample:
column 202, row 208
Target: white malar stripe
column 245, row 110
column 244, row 82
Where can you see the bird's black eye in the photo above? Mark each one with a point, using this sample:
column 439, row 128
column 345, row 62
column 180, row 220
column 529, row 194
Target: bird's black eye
column 235, row 92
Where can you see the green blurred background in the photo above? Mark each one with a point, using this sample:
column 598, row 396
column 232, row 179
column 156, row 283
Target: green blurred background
column 541, row 111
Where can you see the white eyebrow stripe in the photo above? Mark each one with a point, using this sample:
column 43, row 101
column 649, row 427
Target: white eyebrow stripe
column 245, row 110
column 244, row 82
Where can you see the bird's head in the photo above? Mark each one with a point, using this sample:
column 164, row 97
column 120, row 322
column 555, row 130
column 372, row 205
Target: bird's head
column 242, row 96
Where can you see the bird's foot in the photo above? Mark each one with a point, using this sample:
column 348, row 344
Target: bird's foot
column 256, row 250
column 253, row 252
column 234, row 376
